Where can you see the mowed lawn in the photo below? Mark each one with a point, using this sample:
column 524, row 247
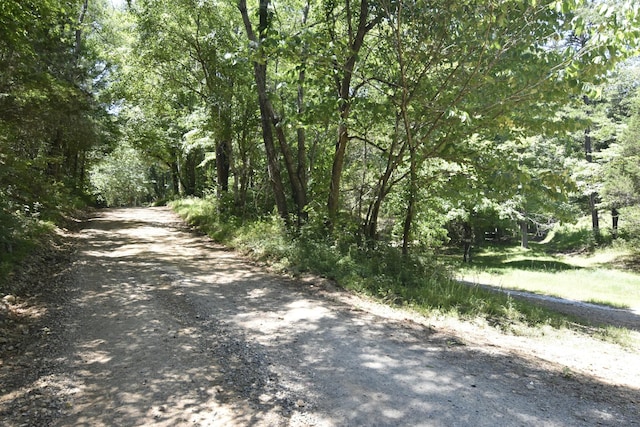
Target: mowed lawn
column 596, row 278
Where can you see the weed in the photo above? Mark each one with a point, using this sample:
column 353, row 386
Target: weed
column 567, row 373
column 620, row 336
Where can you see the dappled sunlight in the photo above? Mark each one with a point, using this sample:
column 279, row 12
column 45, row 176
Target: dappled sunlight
column 145, row 358
column 189, row 334
column 305, row 310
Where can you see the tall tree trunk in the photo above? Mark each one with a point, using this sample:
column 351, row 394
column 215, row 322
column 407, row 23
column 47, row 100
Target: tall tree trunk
column 260, row 75
column 245, row 169
column 223, row 156
column 595, row 219
column 223, row 166
column 524, row 233
column 175, row 178
column 301, row 171
column 333, row 203
column 189, row 173
column 297, row 187
column 467, row 240
column 344, row 91
column 593, row 197
column 411, row 205
column 272, row 156
column 406, row 123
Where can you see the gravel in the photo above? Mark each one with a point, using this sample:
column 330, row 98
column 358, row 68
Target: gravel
column 140, row 321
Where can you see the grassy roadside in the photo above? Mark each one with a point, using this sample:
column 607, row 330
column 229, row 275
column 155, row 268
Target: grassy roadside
column 27, row 227
column 420, row 282
column 30, row 235
column 593, row 277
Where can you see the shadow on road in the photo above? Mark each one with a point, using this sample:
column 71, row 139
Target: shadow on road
column 171, row 329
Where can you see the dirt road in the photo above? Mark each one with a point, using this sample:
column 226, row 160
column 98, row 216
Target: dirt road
column 156, row 325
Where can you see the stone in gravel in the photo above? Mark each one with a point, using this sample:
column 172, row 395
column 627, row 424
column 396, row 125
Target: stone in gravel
column 9, row 299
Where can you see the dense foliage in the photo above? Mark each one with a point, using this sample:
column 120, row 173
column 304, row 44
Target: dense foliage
column 402, row 123
column 393, row 120
column 49, row 118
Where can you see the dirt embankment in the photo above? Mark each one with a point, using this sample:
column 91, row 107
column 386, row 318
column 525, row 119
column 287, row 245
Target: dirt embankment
column 148, row 323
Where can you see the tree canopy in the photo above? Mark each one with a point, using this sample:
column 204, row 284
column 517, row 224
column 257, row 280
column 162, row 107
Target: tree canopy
column 390, row 119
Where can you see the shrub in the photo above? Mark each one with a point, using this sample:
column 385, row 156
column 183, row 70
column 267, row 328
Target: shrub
column 419, row 280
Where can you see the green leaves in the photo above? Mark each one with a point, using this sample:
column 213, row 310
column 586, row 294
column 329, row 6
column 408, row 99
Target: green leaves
column 121, row 178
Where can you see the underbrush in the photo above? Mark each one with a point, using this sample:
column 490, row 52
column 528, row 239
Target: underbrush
column 26, row 225
column 21, row 239
column 418, row 281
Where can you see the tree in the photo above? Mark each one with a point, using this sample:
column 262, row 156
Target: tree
column 266, row 110
column 430, row 101
column 355, row 21
column 263, row 45
column 459, row 84
column 48, row 118
column 121, row 178
column 621, row 172
column 50, row 121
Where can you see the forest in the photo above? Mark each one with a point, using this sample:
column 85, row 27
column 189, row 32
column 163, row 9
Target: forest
column 388, row 132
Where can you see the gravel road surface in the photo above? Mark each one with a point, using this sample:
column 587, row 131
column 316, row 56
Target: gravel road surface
column 153, row 324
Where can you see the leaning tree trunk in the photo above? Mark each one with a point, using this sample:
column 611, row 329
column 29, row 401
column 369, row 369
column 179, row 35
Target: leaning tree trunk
column 260, row 75
column 344, row 89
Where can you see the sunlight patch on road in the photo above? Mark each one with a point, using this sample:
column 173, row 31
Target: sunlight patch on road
column 305, row 310
column 95, row 356
column 378, row 362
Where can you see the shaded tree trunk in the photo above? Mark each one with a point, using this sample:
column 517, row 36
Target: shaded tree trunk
column 595, row 219
column 524, row 234
column 344, row 91
column 189, row 174
column 333, row 203
column 301, row 171
column 384, row 185
column 175, row 178
column 297, row 187
column 593, row 197
column 223, row 166
column 467, row 241
column 411, row 206
column 223, row 156
column 260, row 75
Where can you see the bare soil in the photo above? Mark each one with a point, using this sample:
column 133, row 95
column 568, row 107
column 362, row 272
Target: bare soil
column 140, row 321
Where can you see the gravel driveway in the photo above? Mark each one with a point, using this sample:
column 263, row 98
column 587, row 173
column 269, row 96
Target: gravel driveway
column 156, row 325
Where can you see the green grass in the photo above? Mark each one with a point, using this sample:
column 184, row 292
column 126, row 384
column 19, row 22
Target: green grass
column 420, row 282
column 425, row 283
column 616, row 335
column 589, row 277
